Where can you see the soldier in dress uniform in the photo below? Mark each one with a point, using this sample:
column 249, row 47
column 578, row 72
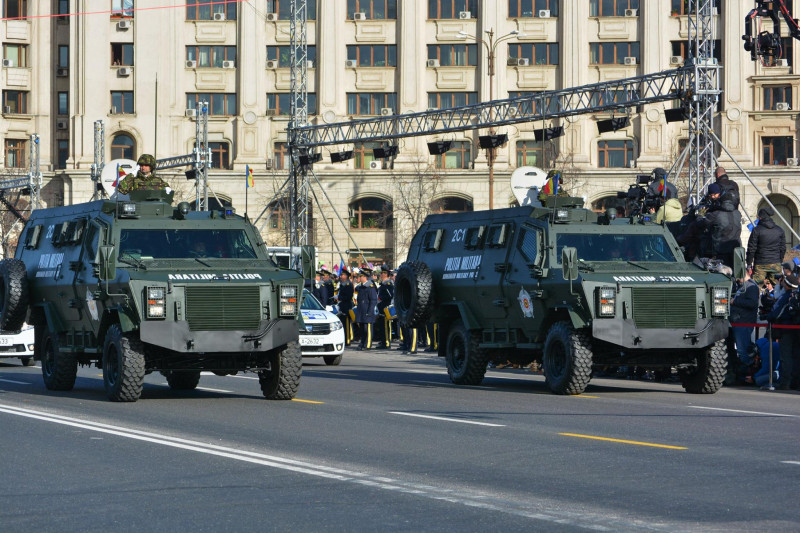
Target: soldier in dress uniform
column 327, row 280
column 385, row 295
column 318, row 288
column 366, row 302
column 144, row 179
column 345, row 298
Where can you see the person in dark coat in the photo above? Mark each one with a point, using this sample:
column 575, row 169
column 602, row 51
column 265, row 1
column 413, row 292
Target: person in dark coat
column 766, row 246
column 723, row 222
column 327, row 280
column 366, row 304
column 784, row 312
column 744, row 310
column 383, row 325
column 318, row 289
column 727, row 184
column 345, row 299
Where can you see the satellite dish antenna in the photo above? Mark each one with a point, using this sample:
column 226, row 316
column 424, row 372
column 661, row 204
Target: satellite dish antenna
column 108, row 177
column 526, row 182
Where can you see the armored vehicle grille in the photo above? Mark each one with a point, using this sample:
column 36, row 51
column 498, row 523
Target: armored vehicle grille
column 223, row 308
column 664, row 307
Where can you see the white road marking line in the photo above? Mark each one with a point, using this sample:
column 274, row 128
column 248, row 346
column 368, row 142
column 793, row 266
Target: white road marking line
column 15, row 382
column 791, row 462
column 741, row 411
column 311, row 372
column 445, row 419
column 427, row 382
column 214, row 390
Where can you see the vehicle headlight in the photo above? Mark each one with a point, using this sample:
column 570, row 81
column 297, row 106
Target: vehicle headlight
column 288, row 300
column 336, row 325
column 156, row 302
column 719, row 301
column 606, row 298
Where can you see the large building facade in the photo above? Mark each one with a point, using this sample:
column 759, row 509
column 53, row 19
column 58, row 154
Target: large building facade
column 138, row 66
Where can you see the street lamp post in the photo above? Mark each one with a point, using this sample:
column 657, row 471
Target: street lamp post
column 490, row 44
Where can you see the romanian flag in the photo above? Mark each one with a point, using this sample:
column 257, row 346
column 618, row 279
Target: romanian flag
column 551, row 185
column 251, row 182
column 120, row 174
column 662, row 187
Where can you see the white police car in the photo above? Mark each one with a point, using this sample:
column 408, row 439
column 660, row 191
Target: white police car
column 323, row 335
column 15, row 344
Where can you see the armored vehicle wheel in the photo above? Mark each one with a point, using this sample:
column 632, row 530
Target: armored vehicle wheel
column 333, row 360
column 123, row 365
column 59, row 369
column 182, row 379
column 466, row 362
column 709, row 373
column 282, row 380
column 26, row 361
column 567, row 359
column 413, row 294
column 13, row 294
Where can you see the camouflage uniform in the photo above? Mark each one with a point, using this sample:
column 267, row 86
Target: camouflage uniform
column 142, row 181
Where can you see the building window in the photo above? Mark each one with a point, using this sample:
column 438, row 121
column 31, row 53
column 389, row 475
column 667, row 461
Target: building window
column 219, row 104
column 63, row 56
column 14, row 9
column 211, row 56
column 373, row 9
column 787, row 49
column 282, row 54
column 614, row 154
column 550, row 103
column 122, row 146
column 610, row 96
column 681, row 7
column 535, row 53
column 777, row 94
column 529, row 153
column 363, row 156
column 279, row 213
column 121, row 54
column 451, row 99
column 451, row 204
column 371, row 213
column 17, row 54
column 680, row 48
column 281, row 7
column 220, row 155
column 15, row 153
column 607, row 202
column 531, row 8
column 370, row 103
column 121, row 102
column 612, row 53
column 63, row 153
column 280, row 103
column 611, row 8
column 206, row 9
column 451, row 9
column 16, row 101
column 777, row 150
column 122, row 8
column 280, row 154
column 379, row 55
column 63, row 103
column 63, row 8
column 454, row 55
column 459, row 156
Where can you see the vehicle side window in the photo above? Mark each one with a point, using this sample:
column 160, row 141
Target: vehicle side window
column 91, row 242
column 59, row 234
column 32, row 237
column 75, row 230
column 498, row 235
column 475, row 237
column 433, row 240
column 529, row 245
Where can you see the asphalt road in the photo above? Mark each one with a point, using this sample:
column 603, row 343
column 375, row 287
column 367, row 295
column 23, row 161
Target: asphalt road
column 385, row 442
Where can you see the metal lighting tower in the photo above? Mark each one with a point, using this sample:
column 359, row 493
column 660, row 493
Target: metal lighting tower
column 298, row 57
column 99, row 157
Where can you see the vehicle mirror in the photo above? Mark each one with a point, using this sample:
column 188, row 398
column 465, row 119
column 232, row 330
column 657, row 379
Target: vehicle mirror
column 569, row 262
column 739, row 262
column 307, row 261
column 108, row 267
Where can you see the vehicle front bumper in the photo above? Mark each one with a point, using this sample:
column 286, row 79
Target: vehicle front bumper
column 176, row 335
column 319, row 345
column 625, row 334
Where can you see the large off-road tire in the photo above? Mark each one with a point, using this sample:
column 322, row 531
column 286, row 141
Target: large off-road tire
column 182, row 379
column 413, row 294
column 466, row 362
column 567, row 359
column 123, row 365
column 708, row 375
column 333, row 360
column 59, row 369
column 26, row 361
column 282, row 380
column 13, row 294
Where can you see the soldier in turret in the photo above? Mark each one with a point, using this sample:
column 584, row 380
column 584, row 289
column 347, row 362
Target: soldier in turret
column 144, row 179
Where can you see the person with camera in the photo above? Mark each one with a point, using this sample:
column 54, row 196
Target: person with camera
column 786, row 311
column 720, row 219
column 766, row 246
column 727, row 185
column 744, row 310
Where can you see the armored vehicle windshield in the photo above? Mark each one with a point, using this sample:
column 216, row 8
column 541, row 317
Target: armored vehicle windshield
column 617, row 247
column 185, row 243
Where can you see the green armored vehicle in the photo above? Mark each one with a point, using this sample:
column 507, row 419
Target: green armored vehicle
column 140, row 286
column 567, row 287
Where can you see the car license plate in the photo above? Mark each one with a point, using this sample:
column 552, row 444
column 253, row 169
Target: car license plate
column 310, row 341
column 5, row 341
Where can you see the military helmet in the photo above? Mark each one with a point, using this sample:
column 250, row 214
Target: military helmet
column 147, row 159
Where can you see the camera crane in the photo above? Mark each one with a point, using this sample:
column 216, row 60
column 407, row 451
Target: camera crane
column 767, row 45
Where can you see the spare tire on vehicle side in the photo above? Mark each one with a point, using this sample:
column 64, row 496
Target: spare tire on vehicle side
column 413, row 294
column 13, row 294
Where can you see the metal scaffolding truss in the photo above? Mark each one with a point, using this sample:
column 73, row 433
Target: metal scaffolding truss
column 298, row 57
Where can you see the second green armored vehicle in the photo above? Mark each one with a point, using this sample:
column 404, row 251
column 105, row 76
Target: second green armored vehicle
column 568, row 287
column 141, row 286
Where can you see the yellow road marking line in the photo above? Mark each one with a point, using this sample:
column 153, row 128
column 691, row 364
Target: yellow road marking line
column 585, row 396
column 625, row 441
column 306, row 401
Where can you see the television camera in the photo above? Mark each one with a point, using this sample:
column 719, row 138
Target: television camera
column 767, row 45
column 640, row 199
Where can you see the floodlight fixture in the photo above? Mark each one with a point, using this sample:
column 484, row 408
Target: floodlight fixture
column 492, row 141
column 613, row 124
column 338, row 157
column 386, row 152
column 309, row 158
column 678, row 114
column 439, row 147
column 547, row 134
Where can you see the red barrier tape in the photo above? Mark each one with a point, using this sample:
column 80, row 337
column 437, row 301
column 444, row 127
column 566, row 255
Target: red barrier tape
column 765, row 324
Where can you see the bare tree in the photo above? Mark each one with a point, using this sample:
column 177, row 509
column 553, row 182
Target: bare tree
column 10, row 224
column 414, row 194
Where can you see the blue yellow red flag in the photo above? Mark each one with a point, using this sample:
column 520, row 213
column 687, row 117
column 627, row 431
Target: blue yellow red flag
column 251, row 182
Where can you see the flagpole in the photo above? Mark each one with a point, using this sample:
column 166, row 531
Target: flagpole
column 246, row 189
